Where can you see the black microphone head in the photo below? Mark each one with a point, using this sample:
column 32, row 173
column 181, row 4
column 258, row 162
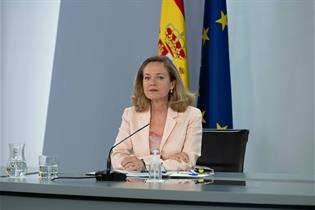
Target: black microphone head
column 106, row 175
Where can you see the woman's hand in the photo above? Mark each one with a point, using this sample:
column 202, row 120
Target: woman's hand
column 179, row 157
column 132, row 163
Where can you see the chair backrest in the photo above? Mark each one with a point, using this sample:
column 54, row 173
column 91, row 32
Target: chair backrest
column 223, row 150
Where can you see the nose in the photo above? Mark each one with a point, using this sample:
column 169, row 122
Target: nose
column 152, row 81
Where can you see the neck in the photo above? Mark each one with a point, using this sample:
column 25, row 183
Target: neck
column 159, row 106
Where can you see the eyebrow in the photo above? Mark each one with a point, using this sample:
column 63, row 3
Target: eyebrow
column 156, row 74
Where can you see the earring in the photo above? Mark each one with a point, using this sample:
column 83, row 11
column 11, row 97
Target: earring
column 171, row 91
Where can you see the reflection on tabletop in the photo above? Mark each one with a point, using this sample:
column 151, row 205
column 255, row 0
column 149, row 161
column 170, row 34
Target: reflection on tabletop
column 191, row 181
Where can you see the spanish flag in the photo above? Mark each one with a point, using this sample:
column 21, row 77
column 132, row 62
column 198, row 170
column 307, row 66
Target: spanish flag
column 172, row 39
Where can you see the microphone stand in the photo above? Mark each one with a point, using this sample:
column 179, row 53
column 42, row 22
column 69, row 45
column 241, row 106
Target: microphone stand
column 108, row 175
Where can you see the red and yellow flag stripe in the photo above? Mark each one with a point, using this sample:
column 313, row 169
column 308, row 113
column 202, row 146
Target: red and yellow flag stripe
column 172, row 39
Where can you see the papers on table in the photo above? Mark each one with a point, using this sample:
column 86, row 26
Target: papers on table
column 170, row 174
column 136, row 174
column 192, row 174
column 188, row 174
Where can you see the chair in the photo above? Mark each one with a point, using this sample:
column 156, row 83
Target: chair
column 223, row 150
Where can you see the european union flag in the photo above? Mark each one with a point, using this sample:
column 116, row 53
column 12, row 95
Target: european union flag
column 215, row 99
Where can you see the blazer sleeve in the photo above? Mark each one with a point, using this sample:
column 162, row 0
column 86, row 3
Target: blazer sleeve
column 124, row 149
column 192, row 145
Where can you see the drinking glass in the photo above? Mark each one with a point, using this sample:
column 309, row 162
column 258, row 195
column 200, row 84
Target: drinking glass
column 48, row 167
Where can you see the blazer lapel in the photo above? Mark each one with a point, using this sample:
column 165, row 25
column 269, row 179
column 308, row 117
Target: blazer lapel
column 144, row 118
column 169, row 125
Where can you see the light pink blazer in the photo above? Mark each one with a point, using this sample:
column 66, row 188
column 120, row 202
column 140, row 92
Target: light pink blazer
column 182, row 133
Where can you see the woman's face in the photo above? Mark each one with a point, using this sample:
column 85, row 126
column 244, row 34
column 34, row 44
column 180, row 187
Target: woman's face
column 157, row 82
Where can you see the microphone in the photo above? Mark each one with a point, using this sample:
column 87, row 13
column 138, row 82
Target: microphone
column 107, row 175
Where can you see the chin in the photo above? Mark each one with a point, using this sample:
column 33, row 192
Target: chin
column 156, row 96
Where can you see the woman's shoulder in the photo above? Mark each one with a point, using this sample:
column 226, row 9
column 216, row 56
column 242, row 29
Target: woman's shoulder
column 129, row 110
column 192, row 109
column 132, row 111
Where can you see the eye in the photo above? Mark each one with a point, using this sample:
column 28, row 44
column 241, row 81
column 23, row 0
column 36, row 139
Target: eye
column 161, row 77
column 146, row 78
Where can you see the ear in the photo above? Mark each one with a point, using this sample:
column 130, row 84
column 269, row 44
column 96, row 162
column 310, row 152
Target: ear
column 173, row 84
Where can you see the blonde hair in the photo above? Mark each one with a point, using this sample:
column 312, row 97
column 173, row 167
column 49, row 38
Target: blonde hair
column 179, row 100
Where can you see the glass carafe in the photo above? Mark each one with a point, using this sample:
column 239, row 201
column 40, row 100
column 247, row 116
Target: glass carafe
column 17, row 165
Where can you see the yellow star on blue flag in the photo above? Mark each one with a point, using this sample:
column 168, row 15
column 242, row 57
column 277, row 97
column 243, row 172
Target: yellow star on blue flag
column 219, row 127
column 205, row 35
column 222, row 20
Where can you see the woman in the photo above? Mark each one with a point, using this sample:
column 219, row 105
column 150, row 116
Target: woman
column 159, row 98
